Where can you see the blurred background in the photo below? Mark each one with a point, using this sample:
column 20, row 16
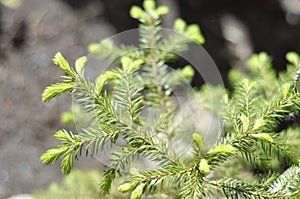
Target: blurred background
column 31, row 31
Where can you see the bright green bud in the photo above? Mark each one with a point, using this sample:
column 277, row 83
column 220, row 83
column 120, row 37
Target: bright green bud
column 193, row 31
column 79, row 64
column 92, row 48
column 125, row 62
column 198, row 140
column 56, row 89
column 135, row 64
column 198, row 39
column 126, row 187
column 12, row 4
column 180, row 25
column 133, row 171
column 67, row 117
column 222, row 148
column 137, row 192
column 149, row 4
column 188, row 71
column 262, row 136
column 104, row 78
column 162, row 10
column 245, row 122
column 258, row 123
column 264, row 57
column 204, row 167
column 62, row 63
column 107, row 43
column 259, row 60
column 293, row 58
column 136, row 12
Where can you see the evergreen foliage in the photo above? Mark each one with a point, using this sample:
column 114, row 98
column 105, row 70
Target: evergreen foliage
column 253, row 112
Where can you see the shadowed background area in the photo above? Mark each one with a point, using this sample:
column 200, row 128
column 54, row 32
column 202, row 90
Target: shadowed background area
column 31, row 34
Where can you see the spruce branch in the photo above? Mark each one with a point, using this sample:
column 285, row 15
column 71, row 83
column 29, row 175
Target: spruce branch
column 109, row 176
column 153, row 148
column 246, row 98
column 287, row 184
column 233, row 188
column 118, row 97
column 72, row 145
column 287, row 102
column 57, row 89
column 193, row 187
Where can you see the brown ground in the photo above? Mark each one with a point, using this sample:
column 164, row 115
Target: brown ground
column 30, row 37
